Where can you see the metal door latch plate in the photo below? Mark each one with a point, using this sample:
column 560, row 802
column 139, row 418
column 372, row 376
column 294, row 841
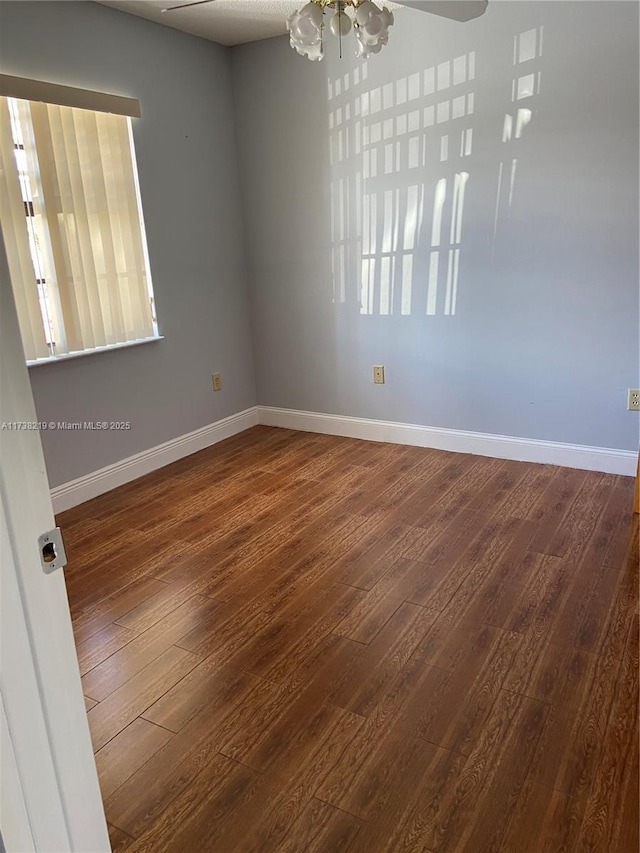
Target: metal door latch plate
column 52, row 553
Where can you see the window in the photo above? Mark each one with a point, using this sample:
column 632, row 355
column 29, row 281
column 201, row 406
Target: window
column 72, row 224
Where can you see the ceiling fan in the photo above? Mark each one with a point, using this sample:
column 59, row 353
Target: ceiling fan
column 369, row 22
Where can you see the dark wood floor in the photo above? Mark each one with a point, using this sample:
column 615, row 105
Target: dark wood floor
column 294, row 642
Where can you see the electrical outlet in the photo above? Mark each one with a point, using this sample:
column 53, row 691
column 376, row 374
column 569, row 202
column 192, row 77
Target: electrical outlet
column 216, row 381
column 378, row 374
column 633, row 400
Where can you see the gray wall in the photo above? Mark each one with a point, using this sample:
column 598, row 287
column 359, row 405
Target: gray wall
column 186, row 152
column 541, row 340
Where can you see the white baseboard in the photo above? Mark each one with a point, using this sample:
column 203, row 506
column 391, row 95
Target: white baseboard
column 98, row 482
column 603, row 459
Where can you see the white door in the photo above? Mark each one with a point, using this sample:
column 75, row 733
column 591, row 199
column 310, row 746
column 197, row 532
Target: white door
column 49, row 793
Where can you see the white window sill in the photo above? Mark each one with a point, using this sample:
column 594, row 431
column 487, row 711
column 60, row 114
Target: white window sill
column 66, row 356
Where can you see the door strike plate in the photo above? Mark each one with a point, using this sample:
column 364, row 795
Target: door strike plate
column 52, row 553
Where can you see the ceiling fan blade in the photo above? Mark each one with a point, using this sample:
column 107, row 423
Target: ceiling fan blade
column 457, row 10
column 186, row 5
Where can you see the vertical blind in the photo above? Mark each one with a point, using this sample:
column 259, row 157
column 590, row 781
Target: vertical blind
column 72, row 227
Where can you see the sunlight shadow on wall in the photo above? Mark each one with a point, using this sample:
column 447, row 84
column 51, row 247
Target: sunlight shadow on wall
column 397, row 151
column 401, row 159
column 527, row 48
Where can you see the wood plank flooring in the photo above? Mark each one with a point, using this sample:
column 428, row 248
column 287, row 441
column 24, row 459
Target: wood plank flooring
column 294, row 642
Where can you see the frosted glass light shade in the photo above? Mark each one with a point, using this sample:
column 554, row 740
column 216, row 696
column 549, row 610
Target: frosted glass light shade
column 364, row 10
column 372, row 31
column 305, row 31
column 340, row 24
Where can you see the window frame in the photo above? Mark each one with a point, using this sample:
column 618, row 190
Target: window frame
column 64, row 96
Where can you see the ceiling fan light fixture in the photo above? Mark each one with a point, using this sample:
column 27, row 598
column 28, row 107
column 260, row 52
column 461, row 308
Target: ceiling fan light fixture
column 370, row 26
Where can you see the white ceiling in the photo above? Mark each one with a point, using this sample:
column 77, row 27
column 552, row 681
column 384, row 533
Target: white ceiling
column 232, row 22
column 224, row 21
